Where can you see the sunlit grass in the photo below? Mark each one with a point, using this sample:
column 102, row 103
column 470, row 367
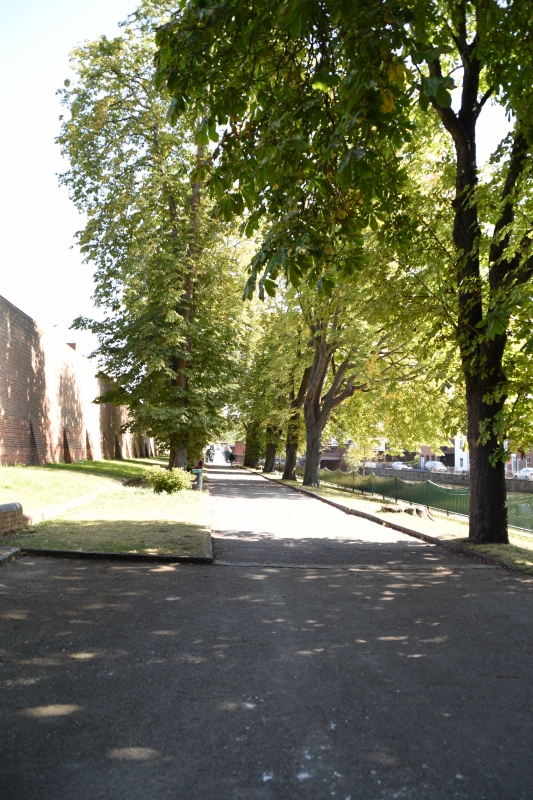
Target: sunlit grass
column 519, row 551
column 37, row 488
column 126, row 519
column 112, row 468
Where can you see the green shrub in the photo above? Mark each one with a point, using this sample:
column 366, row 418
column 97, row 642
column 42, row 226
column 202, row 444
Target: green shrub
column 168, row 480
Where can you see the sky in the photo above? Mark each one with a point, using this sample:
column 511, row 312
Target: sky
column 41, row 269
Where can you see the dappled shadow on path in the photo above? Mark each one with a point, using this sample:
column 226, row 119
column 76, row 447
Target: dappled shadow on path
column 224, row 681
column 255, row 547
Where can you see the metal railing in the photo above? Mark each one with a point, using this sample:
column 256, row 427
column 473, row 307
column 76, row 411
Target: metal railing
column 424, row 493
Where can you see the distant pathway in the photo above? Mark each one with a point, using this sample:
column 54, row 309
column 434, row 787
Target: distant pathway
column 257, row 521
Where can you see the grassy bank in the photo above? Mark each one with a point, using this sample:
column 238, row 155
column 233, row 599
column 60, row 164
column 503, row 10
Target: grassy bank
column 116, row 519
column 38, row 488
column 127, row 520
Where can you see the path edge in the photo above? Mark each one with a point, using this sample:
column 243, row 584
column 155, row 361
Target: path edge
column 8, row 554
column 91, row 555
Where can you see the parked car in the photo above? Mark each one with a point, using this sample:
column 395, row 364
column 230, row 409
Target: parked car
column 525, row 474
column 435, row 466
column 399, row 465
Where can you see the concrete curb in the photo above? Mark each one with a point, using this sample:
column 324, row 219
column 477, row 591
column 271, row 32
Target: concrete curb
column 345, row 567
column 93, row 555
column 8, row 554
column 456, row 548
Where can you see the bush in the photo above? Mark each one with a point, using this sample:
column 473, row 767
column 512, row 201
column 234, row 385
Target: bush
column 168, row 480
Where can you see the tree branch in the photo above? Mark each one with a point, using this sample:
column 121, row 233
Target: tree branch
column 500, row 267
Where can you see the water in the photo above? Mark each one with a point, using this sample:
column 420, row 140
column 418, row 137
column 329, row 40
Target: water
column 520, row 510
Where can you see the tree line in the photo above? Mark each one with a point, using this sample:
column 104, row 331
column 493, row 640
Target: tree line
column 319, row 158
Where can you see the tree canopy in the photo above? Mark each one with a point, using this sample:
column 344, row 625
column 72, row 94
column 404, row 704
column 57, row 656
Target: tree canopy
column 166, row 275
column 318, row 111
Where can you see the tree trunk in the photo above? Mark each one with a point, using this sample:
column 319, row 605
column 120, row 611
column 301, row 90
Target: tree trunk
column 291, row 454
column 178, row 455
column 293, row 428
column 488, row 492
column 318, row 408
column 250, row 461
column 270, row 458
column 178, row 458
column 482, row 358
column 291, row 447
column 313, row 453
column 254, row 444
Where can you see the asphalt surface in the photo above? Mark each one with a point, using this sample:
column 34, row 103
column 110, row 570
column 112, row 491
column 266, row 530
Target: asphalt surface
column 405, row 676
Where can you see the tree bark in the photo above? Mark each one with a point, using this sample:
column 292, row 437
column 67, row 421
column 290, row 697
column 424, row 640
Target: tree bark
column 318, row 408
column 253, row 445
column 270, row 457
column 313, row 453
column 293, row 428
column 178, row 458
column 291, row 446
column 488, row 493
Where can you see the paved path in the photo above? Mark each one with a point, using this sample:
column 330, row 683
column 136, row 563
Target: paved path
column 257, row 521
column 138, row 682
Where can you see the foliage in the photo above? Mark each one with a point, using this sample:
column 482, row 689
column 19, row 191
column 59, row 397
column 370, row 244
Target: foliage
column 168, row 480
column 312, row 107
column 294, row 102
column 358, row 453
column 271, row 362
column 167, row 281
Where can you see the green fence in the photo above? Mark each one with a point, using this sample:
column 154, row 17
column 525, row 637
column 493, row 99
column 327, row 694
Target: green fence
column 423, row 493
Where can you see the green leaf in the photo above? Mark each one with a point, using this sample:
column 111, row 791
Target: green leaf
column 320, row 86
column 423, row 100
column 443, row 97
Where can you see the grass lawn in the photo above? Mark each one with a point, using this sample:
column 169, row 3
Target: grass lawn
column 519, row 551
column 37, row 488
column 128, row 520
column 117, row 469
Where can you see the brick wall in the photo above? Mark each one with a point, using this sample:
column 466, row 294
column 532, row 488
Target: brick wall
column 10, row 517
column 46, row 400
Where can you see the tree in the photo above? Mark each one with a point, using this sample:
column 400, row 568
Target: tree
column 484, row 43
column 166, row 276
column 316, row 106
column 271, row 361
column 405, row 415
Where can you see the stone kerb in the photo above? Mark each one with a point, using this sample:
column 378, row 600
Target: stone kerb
column 11, row 517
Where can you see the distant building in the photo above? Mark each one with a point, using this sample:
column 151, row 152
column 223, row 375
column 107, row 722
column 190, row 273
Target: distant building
column 331, row 457
column 515, row 461
column 446, row 455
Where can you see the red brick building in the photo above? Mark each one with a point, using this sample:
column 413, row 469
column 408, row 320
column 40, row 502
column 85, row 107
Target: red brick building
column 46, row 400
